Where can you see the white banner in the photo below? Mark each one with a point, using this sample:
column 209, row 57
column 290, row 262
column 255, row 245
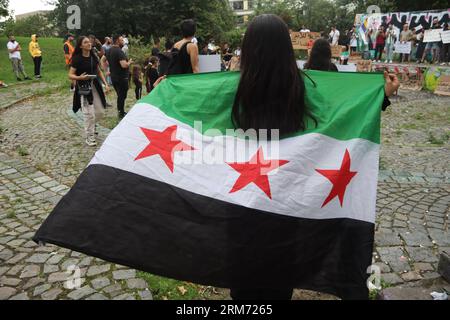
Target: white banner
column 445, row 35
column 351, row 67
column 403, row 47
column 210, row 63
column 432, row 35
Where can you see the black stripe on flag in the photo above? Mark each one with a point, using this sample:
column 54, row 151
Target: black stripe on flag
column 151, row 226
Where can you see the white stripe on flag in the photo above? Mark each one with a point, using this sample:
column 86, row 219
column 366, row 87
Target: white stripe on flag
column 297, row 189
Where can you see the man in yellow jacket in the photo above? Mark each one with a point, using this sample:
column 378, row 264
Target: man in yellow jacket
column 36, row 54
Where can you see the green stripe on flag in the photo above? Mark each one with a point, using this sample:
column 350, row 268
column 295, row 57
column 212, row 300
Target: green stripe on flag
column 346, row 105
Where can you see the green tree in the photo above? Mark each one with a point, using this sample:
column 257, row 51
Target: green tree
column 282, row 9
column 317, row 15
column 420, row 5
column 37, row 24
column 147, row 19
column 4, row 8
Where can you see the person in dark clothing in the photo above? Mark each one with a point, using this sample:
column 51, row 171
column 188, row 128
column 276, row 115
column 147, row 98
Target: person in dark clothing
column 433, row 47
column 420, row 45
column 165, row 58
column 268, row 99
column 137, row 80
column 380, row 44
column 320, row 57
column 185, row 52
column 274, row 98
column 227, row 56
column 320, row 60
column 89, row 95
column 119, row 67
column 151, row 74
column 445, row 51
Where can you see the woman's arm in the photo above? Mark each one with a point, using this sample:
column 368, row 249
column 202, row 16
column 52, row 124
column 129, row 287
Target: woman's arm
column 102, row 77
column 73, row 75
column 193, row 53
column 392, row 84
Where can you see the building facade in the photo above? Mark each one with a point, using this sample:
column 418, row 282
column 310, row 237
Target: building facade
column 243, row 9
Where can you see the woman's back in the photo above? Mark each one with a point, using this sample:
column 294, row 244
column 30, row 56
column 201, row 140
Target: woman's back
column 181, row 59
column 320, row 57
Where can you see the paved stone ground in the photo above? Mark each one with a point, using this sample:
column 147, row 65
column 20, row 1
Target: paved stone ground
column 42, row 152
column 17, row 92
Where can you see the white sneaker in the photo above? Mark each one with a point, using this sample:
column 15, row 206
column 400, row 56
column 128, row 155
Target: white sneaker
column 91, row 142
column 386, row 61
column 391, row 61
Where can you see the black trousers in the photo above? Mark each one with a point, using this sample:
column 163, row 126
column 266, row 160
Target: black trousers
column 121, row 87
column 138, row 90
column 262, row 294
column 37, row 65
column 379, row 52
column 445, row 53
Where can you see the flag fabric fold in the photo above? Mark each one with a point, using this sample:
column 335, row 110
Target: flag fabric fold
column 177, row 192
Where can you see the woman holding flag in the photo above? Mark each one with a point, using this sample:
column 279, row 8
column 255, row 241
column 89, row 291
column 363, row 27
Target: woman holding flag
column 230, row 224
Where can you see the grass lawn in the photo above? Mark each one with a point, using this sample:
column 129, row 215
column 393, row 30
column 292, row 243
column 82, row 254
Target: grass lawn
column 53, row 64
column 168, row 289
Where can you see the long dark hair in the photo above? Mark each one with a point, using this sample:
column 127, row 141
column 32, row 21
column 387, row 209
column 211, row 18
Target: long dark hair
column 78, row 51
column 271, row 92
column 137, row 72
column 320, row 57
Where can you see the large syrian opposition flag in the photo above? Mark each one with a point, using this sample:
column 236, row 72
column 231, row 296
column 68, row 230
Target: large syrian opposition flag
column 175, row 193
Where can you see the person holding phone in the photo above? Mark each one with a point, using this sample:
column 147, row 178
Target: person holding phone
column 89, row 95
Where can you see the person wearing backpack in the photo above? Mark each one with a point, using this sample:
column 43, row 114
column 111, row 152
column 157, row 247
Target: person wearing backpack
column 185, row 52
column 165, row 58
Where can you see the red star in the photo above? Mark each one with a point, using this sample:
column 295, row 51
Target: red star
column 164, row 144
column 340, row 179
column 256, row 172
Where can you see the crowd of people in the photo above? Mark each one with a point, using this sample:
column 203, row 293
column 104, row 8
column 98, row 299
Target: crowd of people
column 379, row 44
column 95, row 67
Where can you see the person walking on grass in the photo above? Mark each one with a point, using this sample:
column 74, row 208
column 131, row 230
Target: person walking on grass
column 14, row 50
column 36, row 53
column 68, row 53
column 119, row 66
column 138, row 81
column 89, row 95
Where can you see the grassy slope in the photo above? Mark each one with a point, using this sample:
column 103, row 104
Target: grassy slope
column 53, row 65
